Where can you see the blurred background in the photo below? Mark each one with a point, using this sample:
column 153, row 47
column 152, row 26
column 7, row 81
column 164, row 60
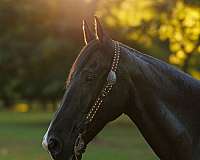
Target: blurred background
column 40, row 39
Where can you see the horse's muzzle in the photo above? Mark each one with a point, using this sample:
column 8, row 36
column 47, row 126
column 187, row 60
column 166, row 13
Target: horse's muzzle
column 53, row 145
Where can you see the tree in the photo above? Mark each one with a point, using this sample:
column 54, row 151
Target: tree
column 38, row 43
column 175, row 24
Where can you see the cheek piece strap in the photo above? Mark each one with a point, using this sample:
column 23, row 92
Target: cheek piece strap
column 80, row 146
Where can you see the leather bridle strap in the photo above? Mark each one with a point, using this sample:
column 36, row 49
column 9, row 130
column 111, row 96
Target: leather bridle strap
column 79, row 146
column 111, row 80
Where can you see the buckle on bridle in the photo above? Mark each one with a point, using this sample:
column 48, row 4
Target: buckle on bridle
column 79, row 147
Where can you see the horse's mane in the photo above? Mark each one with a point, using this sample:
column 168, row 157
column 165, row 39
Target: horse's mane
column 161, row 72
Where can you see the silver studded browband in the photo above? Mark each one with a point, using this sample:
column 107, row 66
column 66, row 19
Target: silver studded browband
column 111, row 80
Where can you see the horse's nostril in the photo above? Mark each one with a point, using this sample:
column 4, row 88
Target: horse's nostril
column 54, row 146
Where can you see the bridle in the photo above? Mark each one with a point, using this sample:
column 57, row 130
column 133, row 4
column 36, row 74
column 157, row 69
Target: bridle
column 80, row 146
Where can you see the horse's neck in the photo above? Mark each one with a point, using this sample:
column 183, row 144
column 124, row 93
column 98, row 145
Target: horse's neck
column 164, row 105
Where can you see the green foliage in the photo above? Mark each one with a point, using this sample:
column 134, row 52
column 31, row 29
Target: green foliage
column 36, row 52
column 175, row 24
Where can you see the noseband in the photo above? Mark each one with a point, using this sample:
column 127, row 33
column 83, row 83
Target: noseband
column 80, row 146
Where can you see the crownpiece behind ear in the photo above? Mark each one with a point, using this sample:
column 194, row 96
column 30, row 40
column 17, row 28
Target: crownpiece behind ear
column 88, row 35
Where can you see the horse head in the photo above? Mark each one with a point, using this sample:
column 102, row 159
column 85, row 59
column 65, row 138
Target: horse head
column 95, row 95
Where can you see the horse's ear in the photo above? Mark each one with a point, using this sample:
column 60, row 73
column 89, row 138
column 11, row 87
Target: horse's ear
column 101, row 35
column 88, row 35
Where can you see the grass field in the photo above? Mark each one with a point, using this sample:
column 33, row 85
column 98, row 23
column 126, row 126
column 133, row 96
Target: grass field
column 21, row 134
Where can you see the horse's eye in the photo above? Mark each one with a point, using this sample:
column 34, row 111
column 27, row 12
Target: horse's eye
column 90, row 77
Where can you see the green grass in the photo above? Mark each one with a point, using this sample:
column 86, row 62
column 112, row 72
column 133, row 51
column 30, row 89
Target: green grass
column 21, row 135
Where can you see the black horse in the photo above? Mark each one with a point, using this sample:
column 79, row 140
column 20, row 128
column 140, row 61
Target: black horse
column 107, row 79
